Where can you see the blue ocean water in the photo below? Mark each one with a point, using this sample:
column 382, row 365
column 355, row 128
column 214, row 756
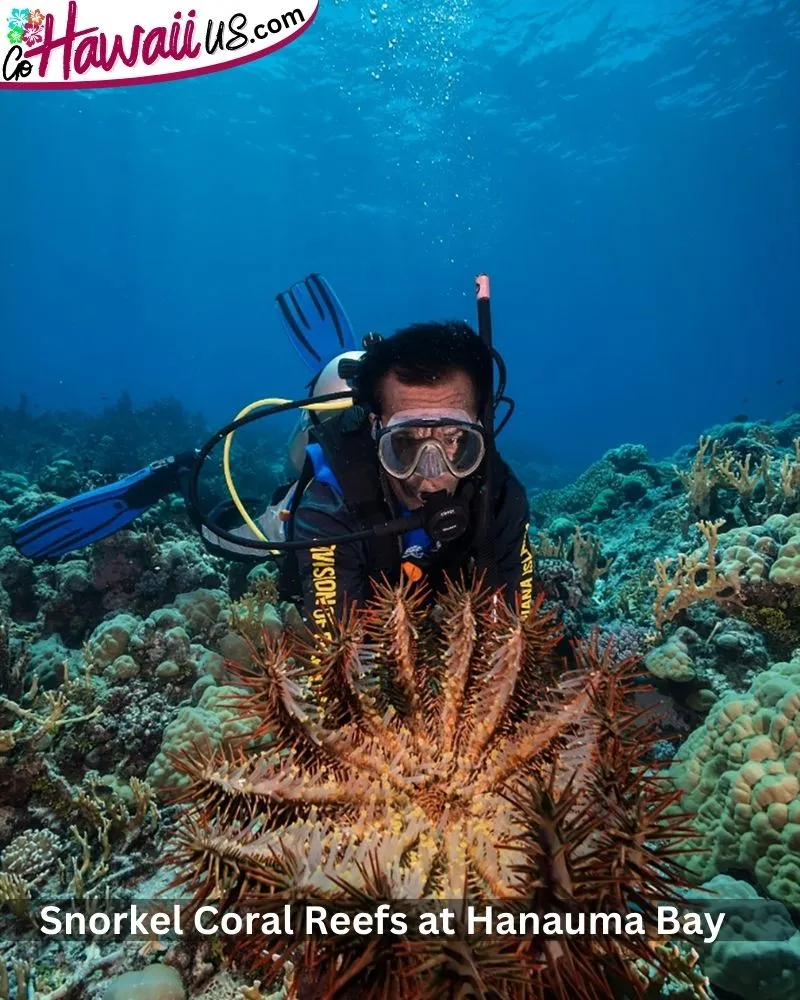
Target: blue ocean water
column 627, row 172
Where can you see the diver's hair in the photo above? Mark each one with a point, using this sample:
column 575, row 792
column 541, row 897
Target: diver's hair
column 422, row 354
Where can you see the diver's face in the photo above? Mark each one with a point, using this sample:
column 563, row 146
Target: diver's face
column 453, row 392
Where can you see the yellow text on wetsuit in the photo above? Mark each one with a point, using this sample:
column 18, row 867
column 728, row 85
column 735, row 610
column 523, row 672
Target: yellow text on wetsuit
column 526, row 581
column 324, row 583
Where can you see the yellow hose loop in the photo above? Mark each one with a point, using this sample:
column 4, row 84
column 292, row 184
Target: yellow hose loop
column 331, row 404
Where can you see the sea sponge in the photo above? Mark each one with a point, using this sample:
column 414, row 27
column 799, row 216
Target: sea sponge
column 740, row 775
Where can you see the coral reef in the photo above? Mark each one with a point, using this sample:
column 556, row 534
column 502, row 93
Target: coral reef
column 300, row 766
column 740, row 778
column 763, row 483
column 749, row 568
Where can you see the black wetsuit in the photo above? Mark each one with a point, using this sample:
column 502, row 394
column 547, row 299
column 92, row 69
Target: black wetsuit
column 343, row 490
column 328, row 576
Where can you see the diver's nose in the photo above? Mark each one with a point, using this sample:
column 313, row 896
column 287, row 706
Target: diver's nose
column 431, row 464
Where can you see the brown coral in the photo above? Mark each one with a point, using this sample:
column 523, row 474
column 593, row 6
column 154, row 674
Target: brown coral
column 433, row 764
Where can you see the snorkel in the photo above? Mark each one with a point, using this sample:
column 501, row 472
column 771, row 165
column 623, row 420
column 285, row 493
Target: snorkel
column 486, row 556
column 442, row 517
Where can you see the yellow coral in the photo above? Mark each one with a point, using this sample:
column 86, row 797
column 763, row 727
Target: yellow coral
column 790, row 472
column 745, row 568
column 695, row 578
column 711, row 469
column 701, row 477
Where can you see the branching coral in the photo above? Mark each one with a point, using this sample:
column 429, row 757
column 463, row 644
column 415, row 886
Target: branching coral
column 426, row 763
column 694, row 578
column 701, row 477
column 579, row 559
column 789, row 472
column 51, row 711
column 104, row 825
column 31, row 727
column 778, row 481
column 115, row 821
column 586, row 559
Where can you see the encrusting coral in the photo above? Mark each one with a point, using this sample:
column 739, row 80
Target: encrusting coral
column 444, row 759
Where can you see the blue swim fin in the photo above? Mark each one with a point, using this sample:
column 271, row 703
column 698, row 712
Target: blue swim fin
column 99, row 513
column 315, row 321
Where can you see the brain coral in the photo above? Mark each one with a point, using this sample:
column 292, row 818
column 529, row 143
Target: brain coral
column 740, row 774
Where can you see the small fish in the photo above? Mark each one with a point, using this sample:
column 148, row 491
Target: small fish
column 778, row 381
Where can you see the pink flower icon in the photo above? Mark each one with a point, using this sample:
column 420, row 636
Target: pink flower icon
column 33, row 34
column 36, row 17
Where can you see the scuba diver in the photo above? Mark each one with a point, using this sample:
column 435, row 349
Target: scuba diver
column 397, row 471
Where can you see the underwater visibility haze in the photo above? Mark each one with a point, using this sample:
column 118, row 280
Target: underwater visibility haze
column 628, row 174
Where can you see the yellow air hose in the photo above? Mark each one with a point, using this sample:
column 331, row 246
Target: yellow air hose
column 332, row 404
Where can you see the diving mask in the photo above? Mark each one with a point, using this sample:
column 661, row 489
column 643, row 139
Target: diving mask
column 430, row 444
